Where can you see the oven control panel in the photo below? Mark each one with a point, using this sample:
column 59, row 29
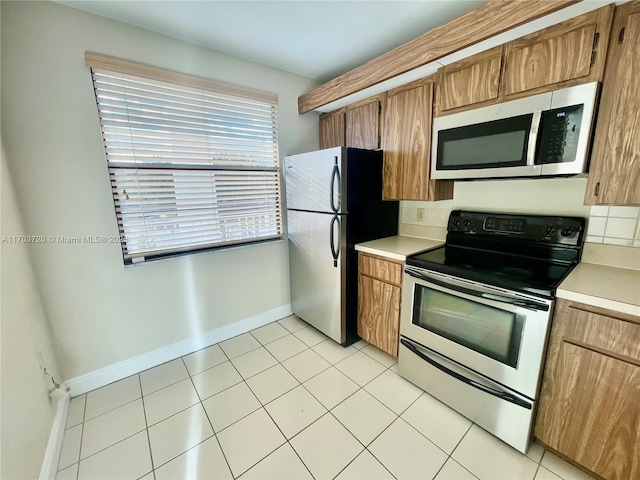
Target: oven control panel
column 511, row 225
column 536, row 228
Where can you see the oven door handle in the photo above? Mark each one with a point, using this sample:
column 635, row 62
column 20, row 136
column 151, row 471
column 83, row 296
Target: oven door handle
column 520, row 302
column 491, row 391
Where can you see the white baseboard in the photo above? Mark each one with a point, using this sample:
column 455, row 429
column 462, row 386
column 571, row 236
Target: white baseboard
column 56, row 435
column 125, row 368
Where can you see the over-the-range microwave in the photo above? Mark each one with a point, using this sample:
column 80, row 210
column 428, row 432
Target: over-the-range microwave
column 544, row 134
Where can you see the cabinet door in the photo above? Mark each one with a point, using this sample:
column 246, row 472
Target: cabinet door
column 614, row 174
column 407, row 145
column 595, row 418
column 379, row 313
column 590, row 400
column 332, row 129
column 569, row 53
column 472, row 81
column 363, row 123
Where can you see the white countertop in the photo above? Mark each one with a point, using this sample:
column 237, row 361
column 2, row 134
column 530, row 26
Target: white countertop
column 398, row 247
column 603, row 286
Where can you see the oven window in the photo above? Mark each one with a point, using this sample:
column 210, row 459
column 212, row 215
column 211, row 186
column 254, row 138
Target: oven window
column 490, row 331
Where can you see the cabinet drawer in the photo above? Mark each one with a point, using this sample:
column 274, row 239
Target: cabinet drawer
column 379, row 268
column 604, row 333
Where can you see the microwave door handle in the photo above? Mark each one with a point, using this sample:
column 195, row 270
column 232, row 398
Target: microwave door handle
column 496, row 393
column 533, row 138
column 520, row 302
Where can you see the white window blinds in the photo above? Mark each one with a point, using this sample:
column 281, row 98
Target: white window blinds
column 193, row 163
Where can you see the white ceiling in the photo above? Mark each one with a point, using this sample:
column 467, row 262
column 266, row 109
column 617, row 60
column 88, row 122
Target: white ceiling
column 318, row 39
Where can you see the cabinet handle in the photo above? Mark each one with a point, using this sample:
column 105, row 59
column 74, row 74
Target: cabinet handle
column 621, row 35
column 594, row 48
column 596, row 192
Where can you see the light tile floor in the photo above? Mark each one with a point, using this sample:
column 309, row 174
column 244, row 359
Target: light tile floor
column 283, row 402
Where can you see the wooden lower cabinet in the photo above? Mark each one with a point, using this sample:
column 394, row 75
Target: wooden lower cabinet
column 379, row 294
column 589, row 409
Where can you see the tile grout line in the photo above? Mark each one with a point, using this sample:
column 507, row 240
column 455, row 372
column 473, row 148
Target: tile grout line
column 459, row 442
column 330, row 412
column 191, row 406
column 84, row 413
column 366, row 447
column 108, row 446
column 536, row 472
column 146, row 423
column 263, row 405
column 215, row 434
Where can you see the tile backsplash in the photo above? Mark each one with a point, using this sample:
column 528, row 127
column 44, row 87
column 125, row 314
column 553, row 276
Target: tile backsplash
column 614, row 226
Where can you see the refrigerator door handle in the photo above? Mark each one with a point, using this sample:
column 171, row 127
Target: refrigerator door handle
column 334, row 252
column 335, row 174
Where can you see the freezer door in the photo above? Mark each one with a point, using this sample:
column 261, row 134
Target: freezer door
column 314, row 180
column 317, row 266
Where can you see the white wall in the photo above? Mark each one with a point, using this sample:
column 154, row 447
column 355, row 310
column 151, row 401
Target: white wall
column 100, row 312
column 27, row 411
column 553, row 196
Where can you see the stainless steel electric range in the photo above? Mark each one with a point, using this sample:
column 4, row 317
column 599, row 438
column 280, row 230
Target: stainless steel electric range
column 476, row 315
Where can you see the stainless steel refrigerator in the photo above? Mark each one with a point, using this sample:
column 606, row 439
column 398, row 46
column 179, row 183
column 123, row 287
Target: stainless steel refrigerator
column 334, row 200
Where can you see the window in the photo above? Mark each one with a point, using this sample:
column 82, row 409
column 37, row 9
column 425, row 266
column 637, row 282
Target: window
column 193, row 163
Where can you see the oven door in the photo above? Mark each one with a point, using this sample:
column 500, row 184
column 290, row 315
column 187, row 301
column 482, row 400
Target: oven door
column 498, row 334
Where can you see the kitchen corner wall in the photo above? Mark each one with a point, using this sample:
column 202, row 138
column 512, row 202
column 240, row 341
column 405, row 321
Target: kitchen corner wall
column 25, row 345
column 100, row 312
column 556, row 196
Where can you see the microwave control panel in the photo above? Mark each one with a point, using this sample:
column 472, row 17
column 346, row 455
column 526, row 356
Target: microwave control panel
column 559, row 134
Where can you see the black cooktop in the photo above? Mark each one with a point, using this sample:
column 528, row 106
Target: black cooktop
column 525, row 253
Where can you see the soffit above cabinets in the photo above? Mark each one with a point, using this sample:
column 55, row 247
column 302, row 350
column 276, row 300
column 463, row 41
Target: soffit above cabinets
column 319, row 39
column 431, row 67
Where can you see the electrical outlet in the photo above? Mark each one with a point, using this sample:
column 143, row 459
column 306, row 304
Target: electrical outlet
column 420, row 215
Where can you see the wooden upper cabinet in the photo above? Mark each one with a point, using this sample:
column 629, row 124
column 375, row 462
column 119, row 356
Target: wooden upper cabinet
column 357, row 125
column 406, row 142
column 589, row 407
column 363, row 123
column 614, row 174
column 332, row 129
column 569, row 53
column 472, row 81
